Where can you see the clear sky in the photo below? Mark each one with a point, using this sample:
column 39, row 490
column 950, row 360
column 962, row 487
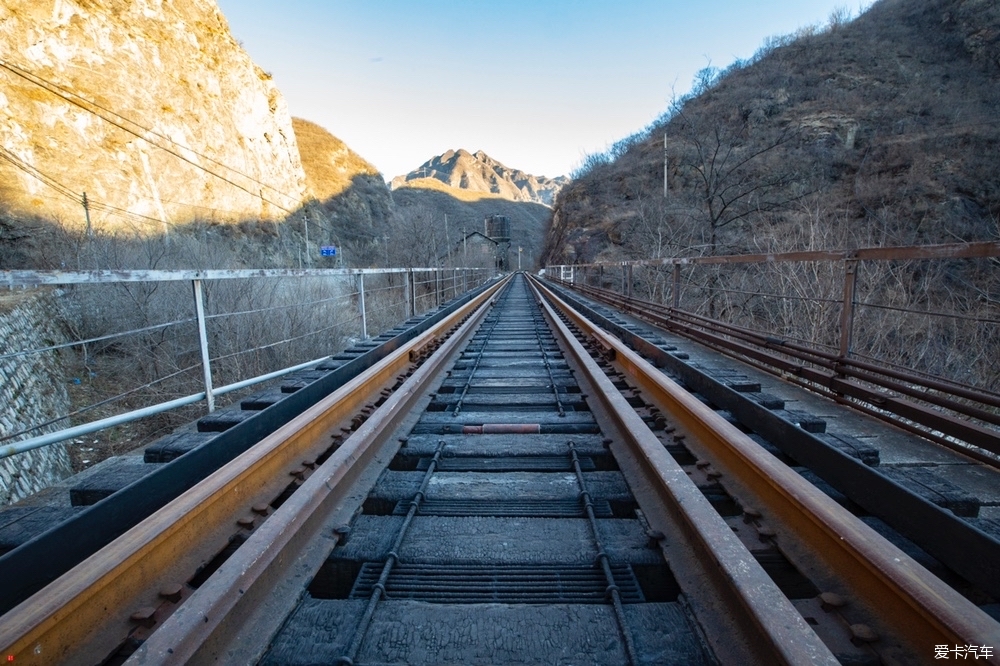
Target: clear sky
column 536, row 84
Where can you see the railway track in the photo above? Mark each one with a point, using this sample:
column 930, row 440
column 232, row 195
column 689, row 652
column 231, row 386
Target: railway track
column 513, row 485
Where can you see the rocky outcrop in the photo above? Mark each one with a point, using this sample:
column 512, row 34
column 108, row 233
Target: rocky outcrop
column 479, row 173
column 149, row 107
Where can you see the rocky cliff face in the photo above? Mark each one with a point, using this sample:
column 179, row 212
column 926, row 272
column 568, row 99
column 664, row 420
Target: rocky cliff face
column 150, row 107
column 478, row 172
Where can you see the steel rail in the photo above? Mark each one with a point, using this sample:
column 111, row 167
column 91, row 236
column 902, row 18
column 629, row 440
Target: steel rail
column 837, row 374
column 860, row 369
column 782, row 635
column 916, row 604
column 978, row 250
column 208, row 625
column 63, row 621
column 843, row 365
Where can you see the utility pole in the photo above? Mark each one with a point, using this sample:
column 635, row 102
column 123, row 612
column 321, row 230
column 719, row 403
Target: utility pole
column 447, row 237
column 519, row 251
column 665, row 166
column 86, row 212
column 305, row 220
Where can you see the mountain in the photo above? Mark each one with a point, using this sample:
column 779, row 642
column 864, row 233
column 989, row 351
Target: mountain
column 478, row 173
column 348, row 195
column 877, row 130
column 149, row 107
column 330, row 165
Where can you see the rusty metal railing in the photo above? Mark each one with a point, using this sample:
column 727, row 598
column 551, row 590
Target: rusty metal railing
column 913, row 332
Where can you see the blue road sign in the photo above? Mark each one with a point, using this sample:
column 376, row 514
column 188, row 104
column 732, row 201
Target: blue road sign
column 328, row 251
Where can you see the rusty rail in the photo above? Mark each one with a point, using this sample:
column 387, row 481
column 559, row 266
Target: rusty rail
column 900, row 253
column 918, row 606
column 860, row 384
column 71, row 619
column 745, row 590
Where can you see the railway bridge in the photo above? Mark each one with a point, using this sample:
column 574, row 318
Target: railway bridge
column 641, row 463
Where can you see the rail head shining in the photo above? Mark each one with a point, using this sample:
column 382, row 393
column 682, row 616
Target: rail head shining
column 783, row 635
column 59, row 623
column 917, row 605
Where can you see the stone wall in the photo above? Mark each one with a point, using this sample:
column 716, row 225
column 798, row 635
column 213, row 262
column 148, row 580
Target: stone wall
column 32, row 391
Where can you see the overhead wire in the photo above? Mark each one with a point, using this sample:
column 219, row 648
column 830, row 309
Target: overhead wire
column 82, row 102
column 46, row 83
column 13, row 159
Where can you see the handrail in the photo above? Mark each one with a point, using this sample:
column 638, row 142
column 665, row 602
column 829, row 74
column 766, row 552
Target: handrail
column 894, row 253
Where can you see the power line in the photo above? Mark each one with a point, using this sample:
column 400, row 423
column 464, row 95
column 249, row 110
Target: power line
column 82, row 102
column 39, row 175
column 94, row 204
column 46, row 83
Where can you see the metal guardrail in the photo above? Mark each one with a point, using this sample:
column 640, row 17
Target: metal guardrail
column 948, row 391
column 438, row 281
column 850, row 260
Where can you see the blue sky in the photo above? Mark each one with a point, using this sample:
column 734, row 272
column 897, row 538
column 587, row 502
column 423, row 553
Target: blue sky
column 536, row 84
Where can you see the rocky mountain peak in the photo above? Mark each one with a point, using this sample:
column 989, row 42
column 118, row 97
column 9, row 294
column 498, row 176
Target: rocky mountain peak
column 478, row 172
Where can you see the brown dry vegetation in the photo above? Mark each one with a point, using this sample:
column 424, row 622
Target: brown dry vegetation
column 877, row 131
column 420, row 213
column 884, row 129
column 330, row 165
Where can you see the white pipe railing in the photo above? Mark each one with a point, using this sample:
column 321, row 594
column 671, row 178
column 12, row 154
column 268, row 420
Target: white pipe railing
column 29, row 279
column 127, row 417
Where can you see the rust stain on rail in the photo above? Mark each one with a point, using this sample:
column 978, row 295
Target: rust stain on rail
column 920, row 607
column 58, row 624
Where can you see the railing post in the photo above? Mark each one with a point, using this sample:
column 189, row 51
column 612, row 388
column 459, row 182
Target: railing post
column 361, row 305
column 675, row 295
column 847, row 306
column 206, row 366
column 437, row 287
column 408, row 293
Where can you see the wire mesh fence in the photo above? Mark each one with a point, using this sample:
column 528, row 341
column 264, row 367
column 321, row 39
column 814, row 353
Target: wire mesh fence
column 136, row 339
column 932, row 310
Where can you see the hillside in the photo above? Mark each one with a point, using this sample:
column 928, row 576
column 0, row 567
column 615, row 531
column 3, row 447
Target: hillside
column 330, row 165
column 150, row 108
column 464, row 188
column 350, row 203
column 429, row 221
column 479, row 173
column 881, row 130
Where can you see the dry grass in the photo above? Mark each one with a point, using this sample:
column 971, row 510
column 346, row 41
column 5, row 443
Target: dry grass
column 455, row 192
column 329, row 164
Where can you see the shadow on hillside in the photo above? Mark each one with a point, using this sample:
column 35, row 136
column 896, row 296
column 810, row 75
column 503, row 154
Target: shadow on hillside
column 354, row 218
column 369, row 225
column 529, row 221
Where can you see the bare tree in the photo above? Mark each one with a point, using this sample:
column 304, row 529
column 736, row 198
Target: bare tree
column 727, row 173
